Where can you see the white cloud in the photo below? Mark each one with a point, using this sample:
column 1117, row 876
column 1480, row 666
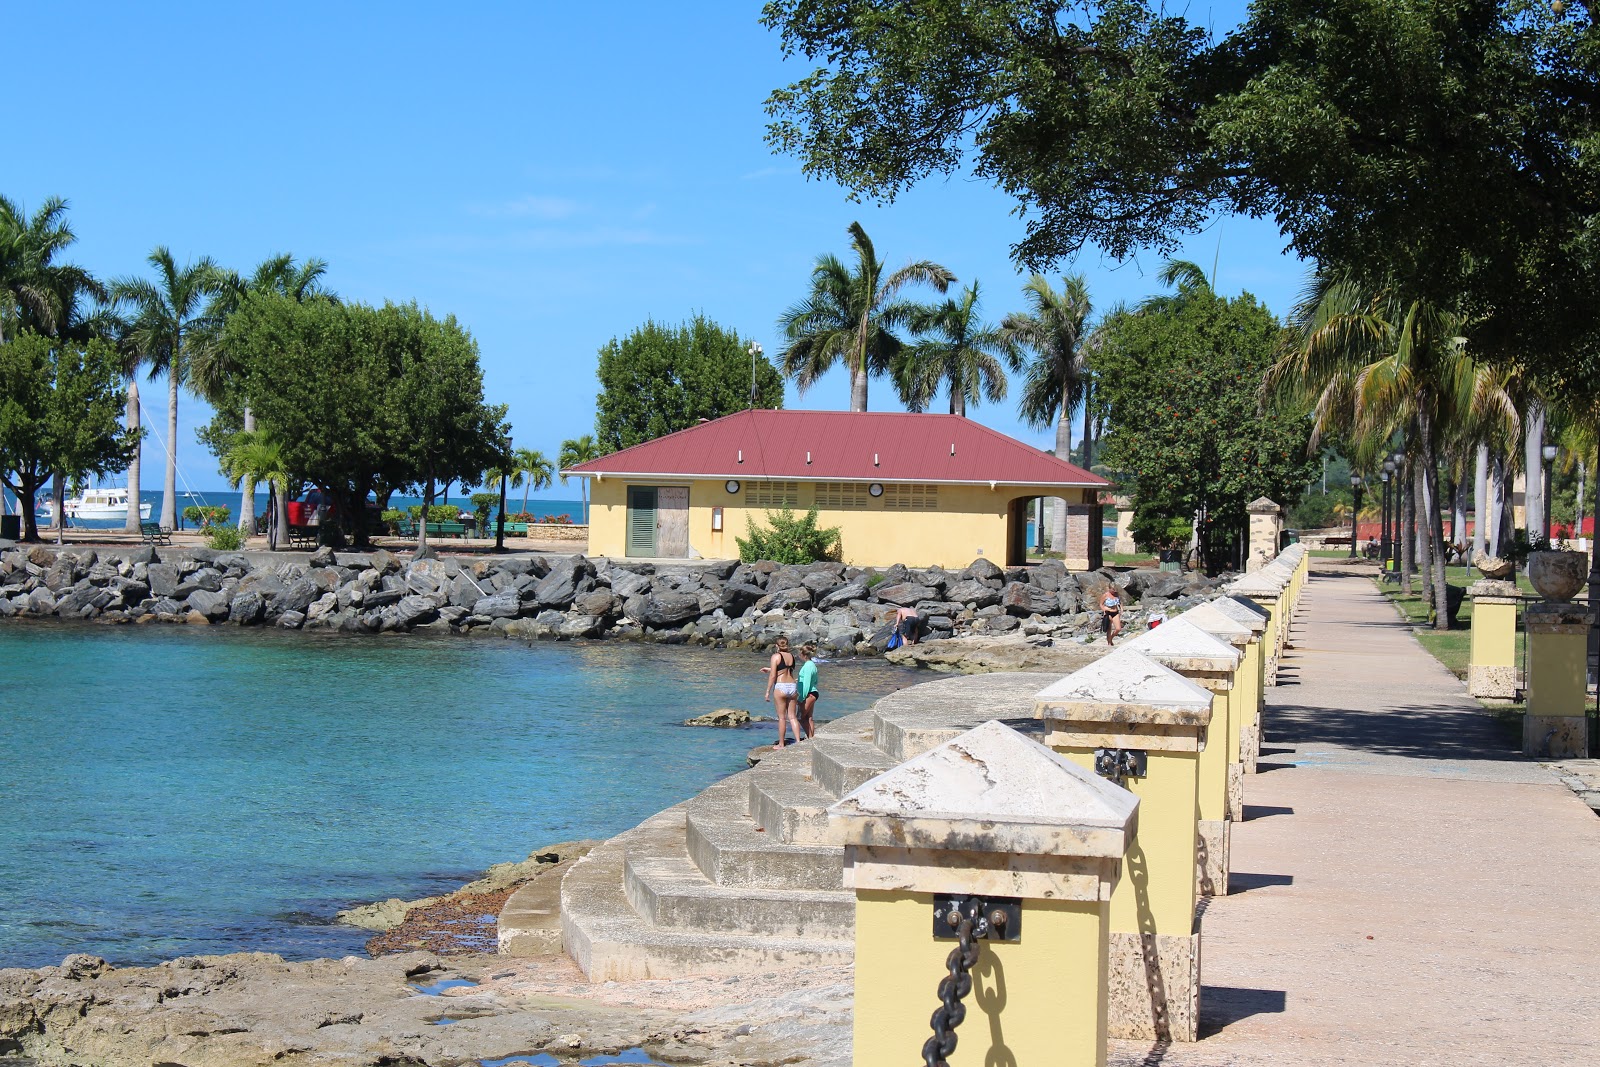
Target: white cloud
column 546, row 208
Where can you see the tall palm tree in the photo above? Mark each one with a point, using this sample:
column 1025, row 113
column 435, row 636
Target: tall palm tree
column 850, row 316
column 165, row 315
column 36, row 291
column 256, row 457
column 533, row 471
column 1055, row 383
column 956, row 351
column 576, row 450
column 214, row 370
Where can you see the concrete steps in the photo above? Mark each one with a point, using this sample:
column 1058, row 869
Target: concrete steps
column 742, row 877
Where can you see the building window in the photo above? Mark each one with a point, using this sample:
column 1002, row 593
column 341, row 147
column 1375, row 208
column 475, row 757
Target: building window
column 842, row 495
column 772, row 494
column 911, row 497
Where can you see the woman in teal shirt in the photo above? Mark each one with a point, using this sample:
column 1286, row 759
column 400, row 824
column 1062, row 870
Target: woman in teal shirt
column 806, row 689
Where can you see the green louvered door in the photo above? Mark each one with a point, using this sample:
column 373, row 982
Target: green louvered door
column 641, row 520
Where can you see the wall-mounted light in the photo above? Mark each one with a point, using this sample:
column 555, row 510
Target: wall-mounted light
column 716, row 520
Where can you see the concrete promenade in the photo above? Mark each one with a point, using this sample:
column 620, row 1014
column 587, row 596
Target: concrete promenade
column 1407, row 889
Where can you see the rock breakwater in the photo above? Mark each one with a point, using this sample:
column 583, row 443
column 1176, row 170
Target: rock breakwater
column 846, row 610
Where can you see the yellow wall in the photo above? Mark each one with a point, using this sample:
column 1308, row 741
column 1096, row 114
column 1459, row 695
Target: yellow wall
column 1037, row 1001
column 1558, row 667
column 1214, row 762
column 1251, row 673
column 970, row 521
column 1494, row 633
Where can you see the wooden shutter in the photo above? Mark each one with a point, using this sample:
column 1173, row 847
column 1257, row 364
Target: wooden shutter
column 641, row 520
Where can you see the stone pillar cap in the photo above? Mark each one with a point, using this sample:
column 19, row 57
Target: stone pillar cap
column 1121, row 687
column 1242, row 609
column 1184, row 646
column 1258, row 583
column 1217, row 624
column 989, row 790
column 1262, row 505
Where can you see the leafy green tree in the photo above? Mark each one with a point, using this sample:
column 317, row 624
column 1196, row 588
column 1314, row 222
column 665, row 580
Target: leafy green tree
column 955, row 351
column 576, row 450
column 256, row 458
column 531, row 470
column 167, row 314
column 661, row 379
column 1442, row 148
column 1180, row 382
column 60, row 413
column 850, row 316
column 789, row 539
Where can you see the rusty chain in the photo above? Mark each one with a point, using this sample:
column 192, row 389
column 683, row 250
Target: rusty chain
column 936, row 1051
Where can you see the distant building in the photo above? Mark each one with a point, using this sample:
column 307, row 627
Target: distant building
column 913, row 489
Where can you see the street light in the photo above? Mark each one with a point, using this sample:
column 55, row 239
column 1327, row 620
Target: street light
column 1355, row 513
column 1388, row 515
column 1549, row 454
column 755, row 354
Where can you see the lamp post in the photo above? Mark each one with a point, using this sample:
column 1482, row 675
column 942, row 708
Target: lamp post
column 1549, row 454
column 755, row 354
column 1355, row 513
column 1388, row 515
column 1400, row 532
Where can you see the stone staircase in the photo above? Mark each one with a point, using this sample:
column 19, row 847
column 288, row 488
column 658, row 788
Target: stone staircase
column 742, row 878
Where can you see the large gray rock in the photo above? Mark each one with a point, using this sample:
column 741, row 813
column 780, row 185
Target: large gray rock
column 382, row 598
column 561, row 586
column 821, row 583
column 578, row 626
column 247, row 608
column 207, row 578
column 626, row 583
column 904, row 594
column 666, row 609
column 736, row 596
column 384, row 562
column 213, row 604
column 1019, row 598
column 983, row 570
column 128, row 591
column 323, row 557
column 499, row 606
column 854, row 589
column 1146, row 582
column 794, row 598
column 296, row 597
column 1050, row 575
column 163, row 578
column 974, row 592
column 415, row 610
column 601, row 603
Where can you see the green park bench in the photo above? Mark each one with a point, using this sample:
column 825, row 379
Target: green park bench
column 153, row 533
column 514, row 529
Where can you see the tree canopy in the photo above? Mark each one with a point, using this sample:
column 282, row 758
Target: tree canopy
column 1179, row 380
column 660, row 379
column 1445, row 148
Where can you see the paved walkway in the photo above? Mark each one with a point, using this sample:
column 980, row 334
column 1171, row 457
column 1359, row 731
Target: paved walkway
column 1408, row 889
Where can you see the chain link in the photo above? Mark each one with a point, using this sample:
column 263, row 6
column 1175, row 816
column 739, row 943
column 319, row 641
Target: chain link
column 953, row 987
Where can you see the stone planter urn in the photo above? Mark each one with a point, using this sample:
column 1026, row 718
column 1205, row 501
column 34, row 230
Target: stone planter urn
column 1558, row 575
column 1493, row 567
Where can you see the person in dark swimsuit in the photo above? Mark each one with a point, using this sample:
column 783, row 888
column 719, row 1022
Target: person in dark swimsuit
column 781, row 690
column 1111, row 613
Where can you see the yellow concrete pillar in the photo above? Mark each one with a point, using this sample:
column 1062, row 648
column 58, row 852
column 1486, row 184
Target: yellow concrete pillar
column 1210, row 664
column 1241, row 700
column 993, row 815
column 1492, row 672
column 1556, row 726
column 1251, row 674
column 1130, row 716
column 1267, row 594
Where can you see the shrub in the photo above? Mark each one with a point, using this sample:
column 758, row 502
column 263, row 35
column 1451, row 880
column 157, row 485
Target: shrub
column 436, row 513
column 789, row 539
column 1159, row 533
column 206, row 516
column 224, row 538
column 562, row 519
column 482, row 505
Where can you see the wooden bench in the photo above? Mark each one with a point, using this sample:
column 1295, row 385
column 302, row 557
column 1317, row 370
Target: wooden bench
column 302, row 535
column 447, row 529
column 153, row 533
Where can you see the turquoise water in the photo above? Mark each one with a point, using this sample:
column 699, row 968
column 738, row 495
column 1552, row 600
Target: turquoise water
column 539, row 509
column 170, row 791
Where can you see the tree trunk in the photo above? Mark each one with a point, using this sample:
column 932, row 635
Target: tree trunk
column 1458, row 514
column 958, row 399
column 1494, row 512
column 1433, row 537
column 280, row 508
column 1408, row 510
column 247, row 486
column 131, row 524
column 27, row 497
column 1088, row 428
column 1579, row 503
column 169, row 485
column 1480, row 501
column 58, row 501
column 858, row 389
column 1533, row 472
column 422, row 523
column 1058, row 514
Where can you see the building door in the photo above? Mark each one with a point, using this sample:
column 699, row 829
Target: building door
column 672, row 521
column 641, row 539
column 1017, row 532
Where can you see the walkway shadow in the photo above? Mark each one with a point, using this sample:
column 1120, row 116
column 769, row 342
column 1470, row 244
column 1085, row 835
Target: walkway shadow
column 1222, row 1006
column 1420, row 731
column 1264, row 811
column 1243, row 882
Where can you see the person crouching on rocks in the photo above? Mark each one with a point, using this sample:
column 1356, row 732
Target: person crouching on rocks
column 1111, row 613
column 806, row 691
column 781, row 690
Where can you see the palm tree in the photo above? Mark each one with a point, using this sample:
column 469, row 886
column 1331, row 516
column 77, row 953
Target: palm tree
column 214, row 371
column 958, row 352
column 531, row 470
column 850, row 317
column 36, row 292
column 1056, row 378
column 255, row 457
column 576, row 450
column 166, row 313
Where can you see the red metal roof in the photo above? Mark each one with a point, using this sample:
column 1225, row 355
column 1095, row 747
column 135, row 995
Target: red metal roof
column 856, row 446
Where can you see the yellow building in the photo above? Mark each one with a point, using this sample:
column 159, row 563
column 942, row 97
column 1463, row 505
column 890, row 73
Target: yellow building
column 914, row 489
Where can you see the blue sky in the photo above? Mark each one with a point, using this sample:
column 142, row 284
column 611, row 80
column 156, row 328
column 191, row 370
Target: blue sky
column 553, row 175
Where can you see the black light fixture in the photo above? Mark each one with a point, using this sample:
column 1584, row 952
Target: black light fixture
column 1355, row 512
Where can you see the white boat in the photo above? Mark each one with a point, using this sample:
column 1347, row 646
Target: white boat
column 109, row 503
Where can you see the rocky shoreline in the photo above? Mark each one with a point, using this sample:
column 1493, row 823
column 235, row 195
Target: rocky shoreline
column 846, row 610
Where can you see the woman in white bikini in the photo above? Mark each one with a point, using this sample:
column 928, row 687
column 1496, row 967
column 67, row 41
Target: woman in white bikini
column 1111, row 609
column 781, row 690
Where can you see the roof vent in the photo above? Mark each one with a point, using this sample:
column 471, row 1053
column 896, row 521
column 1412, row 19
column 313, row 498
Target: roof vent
column 952, row 448
column 741, row 455
column 808, row 459
column 874, row 459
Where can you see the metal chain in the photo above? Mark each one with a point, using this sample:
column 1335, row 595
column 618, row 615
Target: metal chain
column 954, row 986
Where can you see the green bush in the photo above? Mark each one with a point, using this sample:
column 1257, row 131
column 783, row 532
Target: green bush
column 482, row 505
column 436, row 513
column 224, row 538
column 789, row 539
column 206, row 516
column 1158, row 533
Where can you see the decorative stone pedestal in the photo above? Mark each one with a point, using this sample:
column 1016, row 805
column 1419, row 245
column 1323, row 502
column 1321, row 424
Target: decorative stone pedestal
column 1150, row 723
column 1209, row 663
column 986, row 813
column 1241, row 700
column 1266, row 527
column 1252, row 673
column 1556, row 725
column 1492, row 672
column 1268, row 595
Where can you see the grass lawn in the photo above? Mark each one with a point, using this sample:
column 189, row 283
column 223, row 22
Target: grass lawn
column 1450, row 647
column 1129, row 559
